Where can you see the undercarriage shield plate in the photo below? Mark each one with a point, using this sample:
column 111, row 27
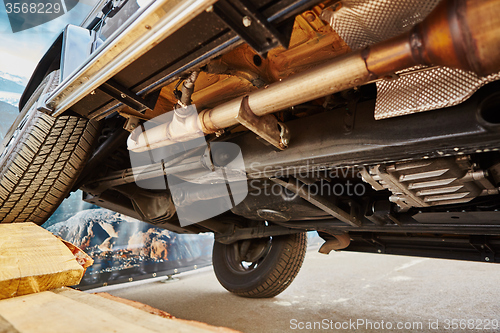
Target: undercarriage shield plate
column 432, row 89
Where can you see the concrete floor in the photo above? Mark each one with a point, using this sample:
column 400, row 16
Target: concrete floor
column 346, row 289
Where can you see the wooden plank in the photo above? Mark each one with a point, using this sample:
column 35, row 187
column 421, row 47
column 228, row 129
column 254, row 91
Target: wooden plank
column 6, row 327
column 48, row 312
column 137, row 305
column 67, row 310
column 34, row 260
column 150, row 309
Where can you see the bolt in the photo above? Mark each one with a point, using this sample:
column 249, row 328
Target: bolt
column 379, row 251
column 247, row 21
column 310, row 17
column 210, row 9
column 123, row 95
column 154, row 274
column 92, row 92
column 486, row 258
column 224, row 157
column 148, row 27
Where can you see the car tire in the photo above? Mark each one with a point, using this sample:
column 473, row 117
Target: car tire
column 261, row 276
column 41, row 159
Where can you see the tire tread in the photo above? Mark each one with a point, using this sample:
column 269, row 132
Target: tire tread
column 43, row 165
column 282, row 274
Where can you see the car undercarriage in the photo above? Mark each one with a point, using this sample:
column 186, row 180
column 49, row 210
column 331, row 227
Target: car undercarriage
column 374, row 123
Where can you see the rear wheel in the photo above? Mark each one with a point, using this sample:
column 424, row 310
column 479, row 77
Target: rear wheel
column 259, row 268
column 41, row 158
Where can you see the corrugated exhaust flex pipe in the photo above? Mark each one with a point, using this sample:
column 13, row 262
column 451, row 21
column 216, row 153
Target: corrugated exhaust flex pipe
column 462, row 34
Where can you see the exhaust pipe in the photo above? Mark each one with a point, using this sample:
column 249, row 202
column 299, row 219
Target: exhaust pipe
column 462, row 34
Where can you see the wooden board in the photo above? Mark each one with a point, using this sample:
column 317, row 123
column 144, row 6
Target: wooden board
column 68, row 310
column 34, row 260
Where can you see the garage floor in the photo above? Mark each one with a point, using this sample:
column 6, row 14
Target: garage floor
column 357, row 291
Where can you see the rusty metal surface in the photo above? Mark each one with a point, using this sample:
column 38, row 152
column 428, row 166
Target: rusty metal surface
column 267, row 126
column 480, row 22
column 339, row 242
column 313, row 41
column 241, row 71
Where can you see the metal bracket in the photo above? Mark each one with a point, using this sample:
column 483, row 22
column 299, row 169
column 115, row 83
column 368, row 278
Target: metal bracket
column 267, row 127
column 237, row 234
column 480, row 243
column 350, row 115
column 380, row 213
column 126, row 96
column 351, row 218
column 42, row 106
column 131, row 124
column 111, row 8
column 373, row 240
column 133, row 118
column 52, row 82
column 126, row 112
column 250, row 24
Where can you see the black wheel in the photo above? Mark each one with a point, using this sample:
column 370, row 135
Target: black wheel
column 259, row 268
column 40, row 160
